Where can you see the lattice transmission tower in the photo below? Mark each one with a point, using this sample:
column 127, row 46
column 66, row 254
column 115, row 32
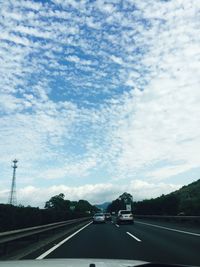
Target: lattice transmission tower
column 13, row 197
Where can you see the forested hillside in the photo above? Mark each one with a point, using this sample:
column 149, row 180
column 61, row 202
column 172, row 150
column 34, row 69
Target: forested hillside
column 185, row 201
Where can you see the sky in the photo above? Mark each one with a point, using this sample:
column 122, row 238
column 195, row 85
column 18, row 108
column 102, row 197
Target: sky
column 98, row 98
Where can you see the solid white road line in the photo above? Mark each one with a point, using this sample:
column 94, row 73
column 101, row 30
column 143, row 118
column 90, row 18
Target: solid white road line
column 117, row 225
column 134, row 237
column 171, row 229
column 60, row 243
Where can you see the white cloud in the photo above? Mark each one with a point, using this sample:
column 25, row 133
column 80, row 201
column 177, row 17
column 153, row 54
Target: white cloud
column 78, row 60
column 169, row 171
column 117, row 60
column 15, row 39
column 93, row 24
column 105, row 7
column 10, row 103
column 33, row 31
column 161, row 123
column 75, row 170
column 97, row 193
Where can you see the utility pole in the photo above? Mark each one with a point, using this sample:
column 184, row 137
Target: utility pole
column 13, row 198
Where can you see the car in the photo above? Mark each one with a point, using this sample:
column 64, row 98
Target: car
column 75, row 262
column 99, row 218
column 108, row 216
column 125, row 216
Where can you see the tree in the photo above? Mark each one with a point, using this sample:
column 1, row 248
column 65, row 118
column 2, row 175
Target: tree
column 58, row 203
column 121, row 202
column 116, row 205
column 126, row 198
column 85, row 206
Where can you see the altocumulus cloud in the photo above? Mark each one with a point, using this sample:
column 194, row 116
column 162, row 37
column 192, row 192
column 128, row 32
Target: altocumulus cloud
column 94, row 93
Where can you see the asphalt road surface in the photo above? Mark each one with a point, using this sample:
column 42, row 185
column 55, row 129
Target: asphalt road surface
column 147, row 241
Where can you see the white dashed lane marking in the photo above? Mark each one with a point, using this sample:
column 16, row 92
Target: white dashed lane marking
column 137, row 239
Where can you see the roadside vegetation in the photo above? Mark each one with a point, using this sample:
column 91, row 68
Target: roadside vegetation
column 185, row 201
column 56, row 209
column 120, row 203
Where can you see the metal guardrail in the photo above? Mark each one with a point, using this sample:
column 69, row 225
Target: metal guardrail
column 24, row 232
column 167, row 217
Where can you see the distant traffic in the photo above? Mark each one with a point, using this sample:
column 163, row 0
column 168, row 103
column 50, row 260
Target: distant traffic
column 123, row 216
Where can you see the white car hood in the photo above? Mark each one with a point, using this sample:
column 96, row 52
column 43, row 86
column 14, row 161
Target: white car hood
column 71, row 263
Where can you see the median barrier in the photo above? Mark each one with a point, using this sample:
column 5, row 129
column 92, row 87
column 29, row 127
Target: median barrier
column 192, row 219
column 11, row 240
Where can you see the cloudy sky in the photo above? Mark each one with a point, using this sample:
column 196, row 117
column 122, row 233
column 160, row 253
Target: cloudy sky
column 99, row 97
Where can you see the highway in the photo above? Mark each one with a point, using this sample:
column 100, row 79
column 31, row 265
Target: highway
column 147, row 241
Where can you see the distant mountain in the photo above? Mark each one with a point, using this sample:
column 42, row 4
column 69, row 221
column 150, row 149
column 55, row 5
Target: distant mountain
column 103, row 205
column 185, row 201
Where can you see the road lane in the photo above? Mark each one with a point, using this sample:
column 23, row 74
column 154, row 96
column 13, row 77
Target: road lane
column 111, row 242
column 170, row 229
column 181, row 226
column 163, row 245
column 98, row 241
column 42, row 256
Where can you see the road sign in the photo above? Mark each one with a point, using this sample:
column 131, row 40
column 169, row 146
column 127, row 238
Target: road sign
column 128, row 207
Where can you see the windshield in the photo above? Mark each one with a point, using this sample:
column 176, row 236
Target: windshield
column 100, row 113
column 125, row 212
